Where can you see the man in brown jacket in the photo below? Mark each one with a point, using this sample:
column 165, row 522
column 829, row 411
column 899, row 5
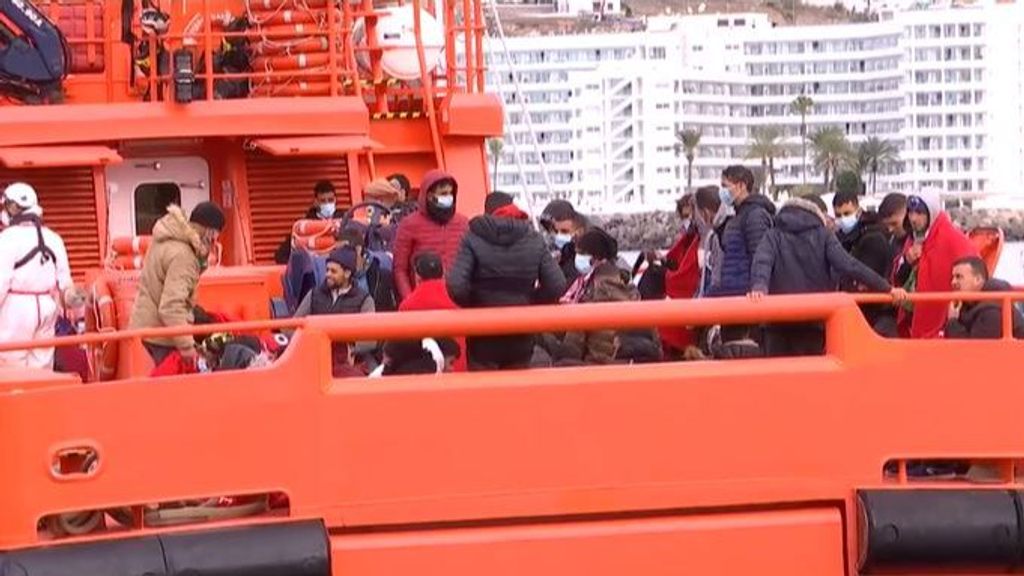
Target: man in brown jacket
column 176, row 258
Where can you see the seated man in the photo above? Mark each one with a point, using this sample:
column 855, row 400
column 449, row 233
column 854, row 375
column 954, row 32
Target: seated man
column 373, row 274
column 978, row 319
column 340, row 294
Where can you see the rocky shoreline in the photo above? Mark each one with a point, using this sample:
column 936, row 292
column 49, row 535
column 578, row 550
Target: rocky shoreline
column 658, row 229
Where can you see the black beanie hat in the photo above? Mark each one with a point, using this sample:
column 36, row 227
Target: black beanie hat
column 208, row 215
column 344, row 257
column 599, row 244
column 496, row 200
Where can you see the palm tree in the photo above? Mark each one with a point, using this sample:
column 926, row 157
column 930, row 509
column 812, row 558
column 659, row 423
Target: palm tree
column 874, row 154
column 687, row 142
column 802, row 106
column 766, row 145
column 495, row 146
column 856, row 161
column 830, row 148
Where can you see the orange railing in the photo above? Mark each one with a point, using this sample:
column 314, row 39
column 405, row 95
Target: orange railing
column 836, row 310
column 419, row 451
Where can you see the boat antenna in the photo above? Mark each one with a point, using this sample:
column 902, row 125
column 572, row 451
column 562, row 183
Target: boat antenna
column 525, row 114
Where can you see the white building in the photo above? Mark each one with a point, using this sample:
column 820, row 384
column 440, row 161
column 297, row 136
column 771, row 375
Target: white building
column 600, row 108
column 945, row 85
column 852, row 73
column 963, row 84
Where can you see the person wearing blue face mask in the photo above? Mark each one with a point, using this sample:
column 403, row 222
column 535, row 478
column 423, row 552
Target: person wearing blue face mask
column 563, row 225
column 600, row 280
column 846, row 207
column 743, row 232
column 865, row 236
column 325, row 204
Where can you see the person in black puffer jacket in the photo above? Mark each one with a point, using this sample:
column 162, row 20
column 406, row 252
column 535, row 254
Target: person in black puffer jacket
column 502, row 261
column 798, row 256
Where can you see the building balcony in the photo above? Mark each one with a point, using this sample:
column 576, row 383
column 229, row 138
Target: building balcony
column 868, row 54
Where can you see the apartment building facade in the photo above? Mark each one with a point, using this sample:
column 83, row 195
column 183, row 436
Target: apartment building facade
column 944, row 85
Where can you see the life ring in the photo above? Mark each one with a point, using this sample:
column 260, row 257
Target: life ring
column 295, row 88
column 102, row 317
column 315, row 236
column 282, row 16
column 305, row 45
column 272, row 5
column 291, row 62
column 129, row 245
column 126, row 262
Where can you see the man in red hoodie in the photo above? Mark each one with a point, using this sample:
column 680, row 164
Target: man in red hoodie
column 432, row 294
column 936, row 245
column 436, row 226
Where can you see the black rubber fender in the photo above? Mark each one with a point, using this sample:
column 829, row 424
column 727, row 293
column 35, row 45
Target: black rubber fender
column 279, row 549
column 292, row 549
column 940, row 529
column 128, row 557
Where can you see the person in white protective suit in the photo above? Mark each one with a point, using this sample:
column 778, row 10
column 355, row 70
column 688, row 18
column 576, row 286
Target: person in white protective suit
column 35, row 278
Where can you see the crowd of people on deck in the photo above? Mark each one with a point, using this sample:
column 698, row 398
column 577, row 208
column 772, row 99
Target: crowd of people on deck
column 418, row 252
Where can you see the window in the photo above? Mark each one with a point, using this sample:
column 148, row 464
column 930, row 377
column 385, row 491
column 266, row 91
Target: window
column 151, row 202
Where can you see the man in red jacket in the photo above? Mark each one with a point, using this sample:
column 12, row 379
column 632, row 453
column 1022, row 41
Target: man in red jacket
column 936, row 246
column 432, row 294
column 436, row 226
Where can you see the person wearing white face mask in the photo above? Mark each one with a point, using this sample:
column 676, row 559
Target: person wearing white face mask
column 34, row 277
column 435, row 227
column 325, row 207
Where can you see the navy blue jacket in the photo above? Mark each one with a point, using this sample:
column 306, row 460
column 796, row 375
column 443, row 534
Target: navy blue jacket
column 740, row 239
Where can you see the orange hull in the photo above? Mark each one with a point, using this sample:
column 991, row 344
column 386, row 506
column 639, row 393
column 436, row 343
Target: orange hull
column 586, row 471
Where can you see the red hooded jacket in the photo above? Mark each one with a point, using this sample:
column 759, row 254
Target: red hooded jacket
column 419, row 232
column 433, row 295
column 943, row 245
column 681, row 283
